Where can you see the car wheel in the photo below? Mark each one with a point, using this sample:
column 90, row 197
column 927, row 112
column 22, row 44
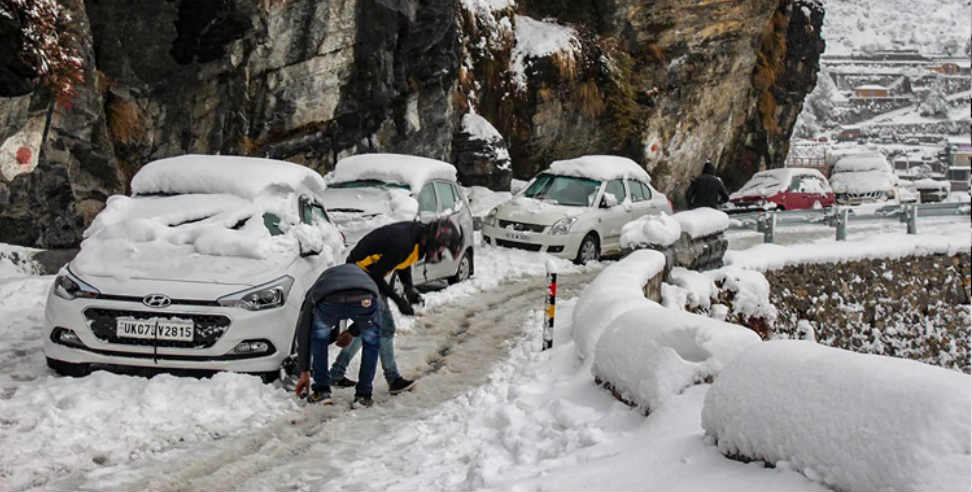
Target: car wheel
column 464, row 270
column 589, row 250
column 68, row 368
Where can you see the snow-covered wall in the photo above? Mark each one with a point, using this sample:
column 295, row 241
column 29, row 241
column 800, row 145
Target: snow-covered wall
column 853, row 421
column 642, row 351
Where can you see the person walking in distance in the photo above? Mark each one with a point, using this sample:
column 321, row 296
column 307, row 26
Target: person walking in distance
column 395, row 248
column 341, row 292
column 706, row 190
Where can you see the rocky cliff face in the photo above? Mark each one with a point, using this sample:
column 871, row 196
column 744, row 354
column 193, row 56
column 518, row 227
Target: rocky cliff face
column 667, row 82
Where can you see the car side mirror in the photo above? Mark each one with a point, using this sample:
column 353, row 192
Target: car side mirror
column 608, row 201
column 310, row 240
column 516, row 186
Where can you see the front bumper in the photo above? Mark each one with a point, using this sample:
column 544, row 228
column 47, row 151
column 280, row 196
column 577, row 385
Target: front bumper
column 561, row 245
column 275, row 327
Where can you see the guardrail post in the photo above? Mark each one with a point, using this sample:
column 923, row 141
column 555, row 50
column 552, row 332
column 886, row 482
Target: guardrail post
column 767, row 225
column 841, row 223
column 911, row 213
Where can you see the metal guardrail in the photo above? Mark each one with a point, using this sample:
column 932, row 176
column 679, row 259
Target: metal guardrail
column 838, row 217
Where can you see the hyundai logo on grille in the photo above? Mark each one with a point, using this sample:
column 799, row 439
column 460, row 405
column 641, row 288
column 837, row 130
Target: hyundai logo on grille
column 157, row 300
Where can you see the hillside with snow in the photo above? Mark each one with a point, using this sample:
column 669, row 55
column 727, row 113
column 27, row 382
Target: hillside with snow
column 930, row 26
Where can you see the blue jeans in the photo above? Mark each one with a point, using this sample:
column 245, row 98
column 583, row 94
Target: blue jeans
column 386, row 348
column 326, row 317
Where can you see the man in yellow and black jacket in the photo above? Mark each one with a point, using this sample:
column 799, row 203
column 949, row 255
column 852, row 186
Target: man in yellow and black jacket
column 395, row 248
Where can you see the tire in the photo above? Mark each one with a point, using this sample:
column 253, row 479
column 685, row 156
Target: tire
column 464, row 270
column 68, row 368
column 589, row 250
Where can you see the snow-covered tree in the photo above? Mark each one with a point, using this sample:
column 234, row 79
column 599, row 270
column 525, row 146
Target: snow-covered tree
column 47, row 44
column 935, row 104
column 818, row 108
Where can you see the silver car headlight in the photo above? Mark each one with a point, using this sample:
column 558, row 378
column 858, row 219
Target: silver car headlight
column 563, row 225
column 267, row 296
column 490, row 218
column 70, row 287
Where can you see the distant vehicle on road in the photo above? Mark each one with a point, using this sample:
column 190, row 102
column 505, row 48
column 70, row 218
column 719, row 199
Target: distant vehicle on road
column 367, row 191
column 790, row 188
column 576, row 208
column 204, row 267
column 863, row 177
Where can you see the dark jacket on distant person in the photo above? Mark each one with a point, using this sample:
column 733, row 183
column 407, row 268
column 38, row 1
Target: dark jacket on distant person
column 343, row 279
column 706, row 189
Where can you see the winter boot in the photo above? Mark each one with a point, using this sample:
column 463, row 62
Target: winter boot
column 362, row 401
column 400, row 384
column 320, row 398
column 344, row 382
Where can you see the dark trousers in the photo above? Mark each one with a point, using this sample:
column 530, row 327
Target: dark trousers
column 327, row 315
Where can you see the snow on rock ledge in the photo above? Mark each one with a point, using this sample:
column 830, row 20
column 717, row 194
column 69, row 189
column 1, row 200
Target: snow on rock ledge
column 659, row 230
column 853, row 421
column 702, row 222
column 641, row 350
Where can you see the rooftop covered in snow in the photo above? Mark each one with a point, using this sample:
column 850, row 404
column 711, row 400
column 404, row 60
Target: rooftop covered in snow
column 410, row 170
column 599, row 167
column 245, row 177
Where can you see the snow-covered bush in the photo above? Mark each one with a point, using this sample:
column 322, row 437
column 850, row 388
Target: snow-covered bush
column 642, row 351
column 852, row 421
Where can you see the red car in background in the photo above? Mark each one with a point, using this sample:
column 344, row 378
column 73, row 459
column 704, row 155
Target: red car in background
column 790, row 188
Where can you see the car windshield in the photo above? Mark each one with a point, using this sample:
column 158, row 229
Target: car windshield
column 368, row 183
column 564, row 190
column 760, row 184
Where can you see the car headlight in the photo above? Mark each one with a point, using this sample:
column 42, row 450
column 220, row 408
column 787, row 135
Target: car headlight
column 490, row 218
column 70, row 287
column 563, row 225
column 267, row 296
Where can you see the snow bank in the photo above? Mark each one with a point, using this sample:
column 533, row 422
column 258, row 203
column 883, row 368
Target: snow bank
column 695, row 289
column 613, row 292
column 17, row 261
column 70, row 424
column 651, row 352
column 244, row 177
column 600, row 167
column 702, row 222
column 853, row 421
column 642, row 350
column 410, row 170
column 660, row 230
column 773, row 256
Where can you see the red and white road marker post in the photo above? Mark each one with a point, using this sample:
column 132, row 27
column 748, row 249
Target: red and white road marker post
column 550, row 307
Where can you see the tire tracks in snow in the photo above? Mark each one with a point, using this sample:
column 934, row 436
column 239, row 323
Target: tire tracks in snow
column 453, row 346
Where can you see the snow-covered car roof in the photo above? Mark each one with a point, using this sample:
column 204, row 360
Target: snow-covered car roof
column 244, row 177
column 410, row 170
column 862, row 182
column 869, row 161
column 599, row 167
column 772, row 181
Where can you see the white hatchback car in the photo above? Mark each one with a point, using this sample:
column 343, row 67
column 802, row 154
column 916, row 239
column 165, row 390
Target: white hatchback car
column 367, row 191
column 204, row 267
column 576, row 208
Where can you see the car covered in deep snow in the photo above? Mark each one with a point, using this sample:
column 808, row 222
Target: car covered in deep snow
column 367, row 191
column 864, row 177
column 789, row 188
column 204, row 266
column 576, row 208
